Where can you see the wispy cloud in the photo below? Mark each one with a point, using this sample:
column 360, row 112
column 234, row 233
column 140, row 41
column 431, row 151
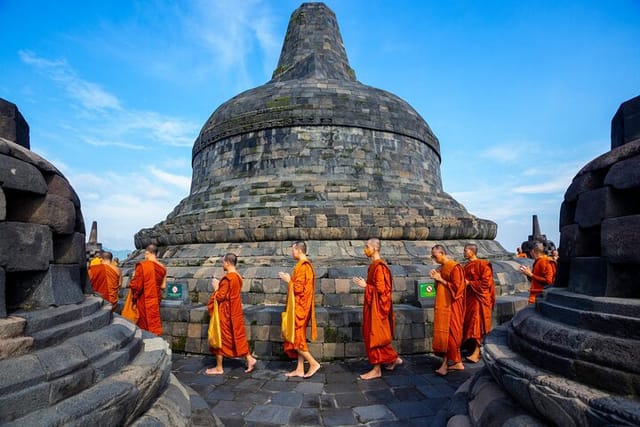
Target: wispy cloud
column 506, row 153
column 90, row 95
column 183, row 182
column 106, row 121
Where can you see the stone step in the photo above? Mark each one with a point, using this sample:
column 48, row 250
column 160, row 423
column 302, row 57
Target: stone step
column 627, row 307
column 600, row 360
column 604, row 323
column 115, row 400
column 550, row 395
column 38, row 320
column 62, row 330
column 47, row 376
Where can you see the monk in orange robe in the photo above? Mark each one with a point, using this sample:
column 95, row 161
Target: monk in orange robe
column 302, row 280
column 449, row 310
column 519, row 253
column 106, row 279
column 378, row 321
column 234, row 338
column 480, row 300
column 148, row 282
column 542, row 274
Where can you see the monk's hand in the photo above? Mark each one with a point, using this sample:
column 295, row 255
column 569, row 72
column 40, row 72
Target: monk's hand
column 215, row 283
column 525, row 270
column 284, row 276
column 360, row 282
column 435, row 275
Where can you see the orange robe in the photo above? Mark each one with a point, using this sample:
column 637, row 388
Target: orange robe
column 303, row 283
column 234, row 337
column 480, row 299
column 377, row 314
column 146, row 287
column 543, row 275
column 449, row 312
column 105, row 280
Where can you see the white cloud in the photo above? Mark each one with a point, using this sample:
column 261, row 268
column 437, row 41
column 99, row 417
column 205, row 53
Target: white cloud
column 183, row 182
column 89, row 94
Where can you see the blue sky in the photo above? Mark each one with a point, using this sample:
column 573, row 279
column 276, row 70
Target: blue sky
column 520, row 94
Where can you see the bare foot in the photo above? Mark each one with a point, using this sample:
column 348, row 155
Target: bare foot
column 456, row 367
column 374, row 373
column 295, row 373
column 251, row 363
column 392, row 366
column 214, row 371
column 312, row 370
column 475, row 356
column 442, row 371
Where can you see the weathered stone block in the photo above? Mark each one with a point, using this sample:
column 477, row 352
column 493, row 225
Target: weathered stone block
column 69, row 249
column 623, row 280
column 13, row 126
column 60, row 285
column 621, row 239
column 624, row 174
column 59, row 186
column 71, row 384
column 18, row 175
column 593, row 206
column 3, row 206
column 579, row 242
column 567, row 214
column 581, row 183
column 625, row 125
column 25, row 247
column 588, row 275
column 3, row 300
column 55, row 211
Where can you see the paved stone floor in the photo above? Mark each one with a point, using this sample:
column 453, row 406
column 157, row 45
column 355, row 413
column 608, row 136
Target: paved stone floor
column 411, row 395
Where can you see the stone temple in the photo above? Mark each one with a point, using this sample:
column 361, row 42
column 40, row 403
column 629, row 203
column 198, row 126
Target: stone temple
column 314, row 155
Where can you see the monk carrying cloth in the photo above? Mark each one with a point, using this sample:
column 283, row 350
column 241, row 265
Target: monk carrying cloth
column 377, row 313
column 234, row 338
column 106, row 279
column 302, row 287
column 449, row 310
column 480, row 300
column 149, row 279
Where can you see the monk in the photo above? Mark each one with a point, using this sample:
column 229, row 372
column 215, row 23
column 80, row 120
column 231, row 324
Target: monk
column 542, row 274
column 148, row 282
column 480, row 299
column 106, row 279
column 302, row 280
column 519, row 253
column 234, row 339
column 377, row 313
column 449, row 310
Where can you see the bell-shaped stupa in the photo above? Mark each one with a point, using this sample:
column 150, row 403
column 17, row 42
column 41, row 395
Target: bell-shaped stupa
column 315, row 155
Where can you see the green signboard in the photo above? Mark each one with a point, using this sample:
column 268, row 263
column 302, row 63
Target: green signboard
column 174, row 291
column 427, row 290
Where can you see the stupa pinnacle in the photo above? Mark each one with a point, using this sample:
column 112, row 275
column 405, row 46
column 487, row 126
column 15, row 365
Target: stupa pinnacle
column 316, row 155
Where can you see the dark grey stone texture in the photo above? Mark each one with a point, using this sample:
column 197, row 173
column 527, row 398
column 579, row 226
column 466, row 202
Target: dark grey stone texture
column 3, row 300
column 621, row 239
column 25, row 247
column 57, row 212
column 625, row 125
column 59, row 286
column 12, row 125
column 3, row 206
column 69, row 249
column 16, row 174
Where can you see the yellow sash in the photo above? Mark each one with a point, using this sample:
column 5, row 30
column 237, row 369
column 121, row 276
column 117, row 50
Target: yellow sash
column 214, row 334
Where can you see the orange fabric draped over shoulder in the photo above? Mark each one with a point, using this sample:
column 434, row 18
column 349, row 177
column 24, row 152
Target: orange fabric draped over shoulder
column 544, row 273
column 378, row 321
column 105, row 280
column 449, row 312
column 234, row 337
column 480, row 299
column 146, row 287
column 303, row 283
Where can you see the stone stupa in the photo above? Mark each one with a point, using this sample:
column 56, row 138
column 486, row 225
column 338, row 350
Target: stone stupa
column 314, row 155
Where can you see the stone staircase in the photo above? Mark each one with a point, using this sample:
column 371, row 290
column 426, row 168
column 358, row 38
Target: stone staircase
column 79, row 364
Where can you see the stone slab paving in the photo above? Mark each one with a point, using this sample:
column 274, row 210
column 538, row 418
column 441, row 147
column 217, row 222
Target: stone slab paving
column 411, row 395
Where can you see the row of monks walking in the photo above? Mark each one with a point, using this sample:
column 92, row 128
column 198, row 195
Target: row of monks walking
column 464, row 302
column 465, row 298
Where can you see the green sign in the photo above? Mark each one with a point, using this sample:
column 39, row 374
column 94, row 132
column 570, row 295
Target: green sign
column 427, row 290
column 174, row 291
